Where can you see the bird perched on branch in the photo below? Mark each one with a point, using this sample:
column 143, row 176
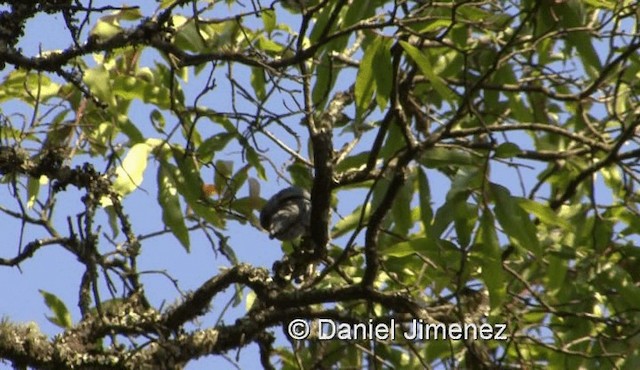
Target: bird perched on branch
column 287, row 215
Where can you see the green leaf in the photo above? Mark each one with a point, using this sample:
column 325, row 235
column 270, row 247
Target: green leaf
column 427, row 70
column 301, row 174
column 99, row 82
column 401, row 210
column 434, row 25
column 514, row 221
column 613, row 179
column 556, row 272
column 321, row 22
column 254, row 160
column 570, row 14
column 353, row 162
column 464, row 219
column 129, row 174
column 544, row 213
column 489, row 255
column 384, row 73
column 187, row 35
column 269, row 20
column 507, row 150
column 258, row 82
column 223, row 173
column 409, row 247
column 325, row 79
column 186, row 176
column 169, row 201
column 129, row 13
column 393, row 143
column 27, row 86
column 443, row 218
column 105, row 29
column 236, row 182
column 442, row 252
column 189, row 184
column 129, row 129
column 61, row 316
column 107, row 206
column 426, row 212
column 444, row 157
column 207, row 150
column 351, row 221
column 365, row 82
column 271, row 47
column 33, row 188
column 130, row 87
column 465, row 181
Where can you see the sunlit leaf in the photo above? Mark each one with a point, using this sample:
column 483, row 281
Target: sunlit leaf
column 105, row 30
column 33, row 188
column 129, row 174
column 269, row 20
column 99, row 81
column 130, row 87
column 273, row 48
column 61, row 316
column 251, row 298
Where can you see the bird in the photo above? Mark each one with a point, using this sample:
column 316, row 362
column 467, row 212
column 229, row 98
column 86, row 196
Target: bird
column 287, row 214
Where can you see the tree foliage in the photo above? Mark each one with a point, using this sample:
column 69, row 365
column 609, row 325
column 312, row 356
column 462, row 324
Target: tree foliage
column 492, row 148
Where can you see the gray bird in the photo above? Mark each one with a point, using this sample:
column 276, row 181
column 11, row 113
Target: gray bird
column 287, row 215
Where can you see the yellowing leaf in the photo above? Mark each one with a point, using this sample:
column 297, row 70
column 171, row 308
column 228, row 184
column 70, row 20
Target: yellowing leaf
column 105, row 30
column 33, row 188
column 251, row 298
column 129, row 175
